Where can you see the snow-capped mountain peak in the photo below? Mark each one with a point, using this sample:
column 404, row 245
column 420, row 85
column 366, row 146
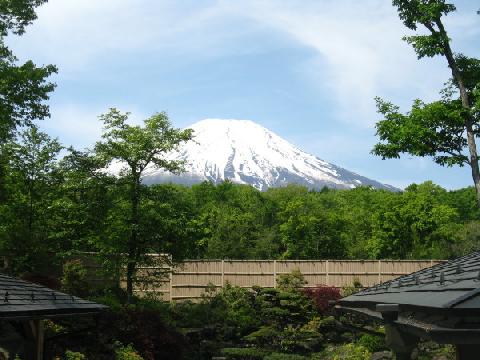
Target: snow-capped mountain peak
column 247, row 153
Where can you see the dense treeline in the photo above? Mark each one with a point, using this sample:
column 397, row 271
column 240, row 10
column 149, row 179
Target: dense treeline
column 54, row 201
column 53, row 205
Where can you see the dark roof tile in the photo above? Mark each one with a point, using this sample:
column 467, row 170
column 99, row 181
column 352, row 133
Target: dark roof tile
column 453, row 284
column 19, row 298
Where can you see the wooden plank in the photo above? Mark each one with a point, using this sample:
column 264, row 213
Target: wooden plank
column 192, row 276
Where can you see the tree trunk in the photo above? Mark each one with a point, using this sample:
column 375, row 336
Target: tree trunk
column 469, row 121
column 132, row 242
column 30, row 211
column 472, row 147
column 130, row 274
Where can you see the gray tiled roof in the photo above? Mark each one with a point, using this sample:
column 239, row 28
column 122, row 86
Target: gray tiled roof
column 451, row 285
column 22, row 299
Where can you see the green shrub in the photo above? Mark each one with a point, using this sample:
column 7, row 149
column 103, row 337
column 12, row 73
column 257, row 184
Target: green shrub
column 345, row 352
column 266, row 335
column 430, row 350
column 294, row 280
column 327, row 323
column 127, row 353
column 238, row 304
column 372, row 343
column 145, row 330
column 109, row 299
column 244, row 353
column 74, row 278
column 52, row 327
column 282, row 356
column 71, row 355
column 283, row 307
column 297, row 339
column 352, row 289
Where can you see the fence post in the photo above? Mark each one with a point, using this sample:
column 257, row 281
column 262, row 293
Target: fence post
column 274, row 273
column 223, row 273
column 170, row 291
column 327, row 279
column 379, row 271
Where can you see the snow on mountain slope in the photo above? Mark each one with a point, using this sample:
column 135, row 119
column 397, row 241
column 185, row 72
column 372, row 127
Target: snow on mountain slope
column 247, row 153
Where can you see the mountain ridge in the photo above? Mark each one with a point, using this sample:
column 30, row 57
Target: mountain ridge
column 247, row 153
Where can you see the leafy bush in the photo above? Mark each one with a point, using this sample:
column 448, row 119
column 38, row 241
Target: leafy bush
column 283, row 307
column 300, row 339
column 110, row 300
column 322, row 295
column 294, row 280
column 266, row 335
column 145, row 330
column 372, row 343
column 238, row 304
column 428, row 350
column 288, row 319
column 71, row 355
column 352, row 289
column 74, row 278
column 52, row 328
column 244, row 353
column 127, row 353
column 345, row 352
column 282, row 356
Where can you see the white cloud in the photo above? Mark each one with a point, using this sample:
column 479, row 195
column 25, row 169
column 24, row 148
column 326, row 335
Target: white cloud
column 334, row 147
column 73, row 34
column 358, row 47
column 360, row 52
column 74, row 124
column 79, row 125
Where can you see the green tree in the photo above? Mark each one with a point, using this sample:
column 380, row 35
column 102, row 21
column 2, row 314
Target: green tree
column 415, row 224
column 445, row 129
column 136, row 147
column 31, row 185
column 233, row 221
column 168, row 224
column 82, row 203
column 23, row 87
column 310, row 230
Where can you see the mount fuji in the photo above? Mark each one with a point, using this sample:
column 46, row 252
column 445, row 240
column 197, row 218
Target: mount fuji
column 245, row 152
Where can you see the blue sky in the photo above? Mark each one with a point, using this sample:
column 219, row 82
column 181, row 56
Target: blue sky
column 307, row 70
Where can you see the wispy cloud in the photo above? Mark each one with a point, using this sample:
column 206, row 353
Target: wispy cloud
column 79, row 125
column 358, row 43
column 346, row 53
column 360, row 52
column 77, row 33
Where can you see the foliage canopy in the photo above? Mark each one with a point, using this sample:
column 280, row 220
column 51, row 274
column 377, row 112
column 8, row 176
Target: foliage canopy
column 446, row 129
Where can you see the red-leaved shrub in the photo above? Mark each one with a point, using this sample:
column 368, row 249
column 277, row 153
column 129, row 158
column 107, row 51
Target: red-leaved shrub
column 99, row 338
column 321, row 295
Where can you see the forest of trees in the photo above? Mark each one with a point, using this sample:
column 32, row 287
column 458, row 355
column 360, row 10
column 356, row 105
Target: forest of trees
column 54, row 206
column 55, row 201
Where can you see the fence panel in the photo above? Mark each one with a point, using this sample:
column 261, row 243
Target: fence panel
column 190, row 279
column 248, row 273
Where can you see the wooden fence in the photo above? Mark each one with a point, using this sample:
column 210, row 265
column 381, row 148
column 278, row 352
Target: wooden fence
column 190, row 279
